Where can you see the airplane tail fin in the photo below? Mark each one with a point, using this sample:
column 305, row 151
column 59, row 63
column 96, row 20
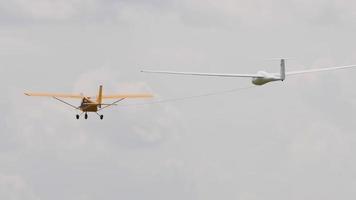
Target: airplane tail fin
column 100, row 96
column 283, row 69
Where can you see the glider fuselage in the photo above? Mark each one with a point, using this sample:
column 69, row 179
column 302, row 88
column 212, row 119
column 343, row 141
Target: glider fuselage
column 265, row 78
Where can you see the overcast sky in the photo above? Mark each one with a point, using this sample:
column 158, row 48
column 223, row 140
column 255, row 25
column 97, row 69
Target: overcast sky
column 290, row 140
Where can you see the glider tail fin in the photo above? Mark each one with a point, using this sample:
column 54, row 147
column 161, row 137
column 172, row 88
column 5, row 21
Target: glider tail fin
column 283, row 69
column 100, row 96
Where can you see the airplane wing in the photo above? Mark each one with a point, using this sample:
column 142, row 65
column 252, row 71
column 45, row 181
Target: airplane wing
column 319, row 70
column 127, row 96
column 204, row 74
column 57, row 97
column 121, row 97
column 73, row 96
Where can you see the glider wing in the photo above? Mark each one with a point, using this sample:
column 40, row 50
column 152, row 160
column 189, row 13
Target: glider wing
column 319, row 70
column 204, row 74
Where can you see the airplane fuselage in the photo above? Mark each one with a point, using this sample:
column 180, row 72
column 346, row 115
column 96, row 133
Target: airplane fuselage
column 88, row 105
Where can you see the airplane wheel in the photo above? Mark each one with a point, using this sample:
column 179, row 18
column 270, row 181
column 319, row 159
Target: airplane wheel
column 86, row 116
column 101, row 117
column 77, row 116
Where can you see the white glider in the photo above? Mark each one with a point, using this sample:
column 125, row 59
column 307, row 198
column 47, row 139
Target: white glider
column 261, row 77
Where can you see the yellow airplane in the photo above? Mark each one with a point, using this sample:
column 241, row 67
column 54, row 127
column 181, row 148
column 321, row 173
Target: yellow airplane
column 88, row 103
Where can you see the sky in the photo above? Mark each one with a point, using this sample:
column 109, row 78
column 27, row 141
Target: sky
column 285, row 140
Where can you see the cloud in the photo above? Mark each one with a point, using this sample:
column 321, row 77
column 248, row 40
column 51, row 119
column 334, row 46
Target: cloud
column 14, row 187
column 52, row 147
column 199, row 13
column 259, row 144
column 139, row 126
column 48, row 10
column 124, row 126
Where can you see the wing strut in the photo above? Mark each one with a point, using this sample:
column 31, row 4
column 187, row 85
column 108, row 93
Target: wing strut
column 112, row 104
column 66, row 103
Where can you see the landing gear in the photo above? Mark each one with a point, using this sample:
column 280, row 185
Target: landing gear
column 100, row 116
column 86, row 116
